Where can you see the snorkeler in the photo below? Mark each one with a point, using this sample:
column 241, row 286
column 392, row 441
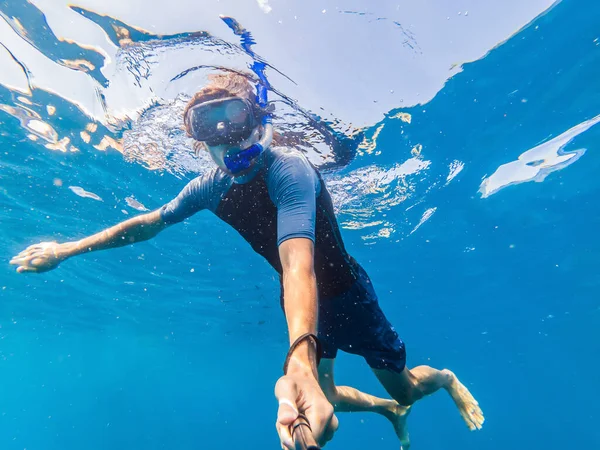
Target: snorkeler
column 279, row 203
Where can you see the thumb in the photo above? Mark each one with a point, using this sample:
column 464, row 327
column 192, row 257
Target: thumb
column 286, row 392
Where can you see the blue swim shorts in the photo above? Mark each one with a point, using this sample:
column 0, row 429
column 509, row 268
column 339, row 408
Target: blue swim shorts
column 354, row 323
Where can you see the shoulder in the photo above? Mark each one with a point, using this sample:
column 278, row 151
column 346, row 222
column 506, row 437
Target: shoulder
column 206, row 189
column 210, row 178
column 202, row 192
column 286, row 159
column 283, row 153
column 289, row 170
column 196, row 184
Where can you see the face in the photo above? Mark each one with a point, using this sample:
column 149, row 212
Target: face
column 218, row 152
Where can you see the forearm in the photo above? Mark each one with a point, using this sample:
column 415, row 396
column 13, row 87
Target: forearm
column 301, row 311
column 136, row 229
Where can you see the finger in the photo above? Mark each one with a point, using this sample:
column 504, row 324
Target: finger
column 331, row 429
column 20, row 262
column 22, row 269
column 285, row 436
column 25, row 253
column 320, row 420
column 26, row 262
column 29, row 250
column 21, row 256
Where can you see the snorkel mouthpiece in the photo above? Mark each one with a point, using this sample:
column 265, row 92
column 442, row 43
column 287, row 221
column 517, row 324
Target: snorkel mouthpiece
column 241, row 161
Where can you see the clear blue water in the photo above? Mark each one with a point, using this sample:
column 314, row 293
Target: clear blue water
column 477, row 221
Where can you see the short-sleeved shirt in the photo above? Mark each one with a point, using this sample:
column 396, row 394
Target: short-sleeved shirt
column 285, row 199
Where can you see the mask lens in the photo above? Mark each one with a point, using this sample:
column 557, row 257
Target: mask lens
column 224, row 121
column 236, row 113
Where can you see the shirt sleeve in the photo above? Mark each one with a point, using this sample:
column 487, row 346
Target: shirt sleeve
column 293, row 187
column 189, row 201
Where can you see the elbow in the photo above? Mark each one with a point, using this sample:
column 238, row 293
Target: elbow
column 297, row 260
column 303, row 273
column 145, row 227
column 151, row 219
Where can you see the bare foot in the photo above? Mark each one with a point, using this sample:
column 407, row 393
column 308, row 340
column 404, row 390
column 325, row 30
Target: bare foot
column 398, row 419
column 467, row 405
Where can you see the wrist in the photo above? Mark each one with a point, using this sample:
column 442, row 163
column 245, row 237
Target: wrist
column 303, row 356
column 303, row 360
column 65, row 250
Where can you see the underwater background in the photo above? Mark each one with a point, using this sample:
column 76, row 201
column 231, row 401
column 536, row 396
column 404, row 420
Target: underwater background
column 459, row 142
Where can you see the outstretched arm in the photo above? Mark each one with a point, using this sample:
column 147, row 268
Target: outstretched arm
column 294, row 187
column 48, row 255
column 136, row 229
column 298, row 390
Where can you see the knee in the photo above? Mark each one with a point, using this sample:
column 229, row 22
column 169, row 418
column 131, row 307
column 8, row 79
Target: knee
column 448, row 377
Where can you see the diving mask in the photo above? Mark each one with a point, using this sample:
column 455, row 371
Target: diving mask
column 222, row 121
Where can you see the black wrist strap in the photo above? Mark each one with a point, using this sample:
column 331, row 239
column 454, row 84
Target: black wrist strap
column 307, row 336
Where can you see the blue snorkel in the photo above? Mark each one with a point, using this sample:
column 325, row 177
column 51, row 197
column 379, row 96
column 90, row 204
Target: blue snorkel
column 243, row 160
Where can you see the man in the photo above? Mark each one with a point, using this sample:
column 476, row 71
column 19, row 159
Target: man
column 279, row 203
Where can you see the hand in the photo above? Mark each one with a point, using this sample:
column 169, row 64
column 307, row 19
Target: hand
column 301, row 392
column 39, row 258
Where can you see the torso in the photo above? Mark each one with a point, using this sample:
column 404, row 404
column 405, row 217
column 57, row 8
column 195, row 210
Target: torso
column 250, row 208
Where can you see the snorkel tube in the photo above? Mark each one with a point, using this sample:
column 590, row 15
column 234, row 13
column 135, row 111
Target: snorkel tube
column 243, row 160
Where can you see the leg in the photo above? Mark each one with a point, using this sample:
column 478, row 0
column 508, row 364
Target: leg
column 348, row 399
column 409, row 386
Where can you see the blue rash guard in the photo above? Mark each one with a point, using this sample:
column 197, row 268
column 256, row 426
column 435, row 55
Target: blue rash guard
column 287, row 198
